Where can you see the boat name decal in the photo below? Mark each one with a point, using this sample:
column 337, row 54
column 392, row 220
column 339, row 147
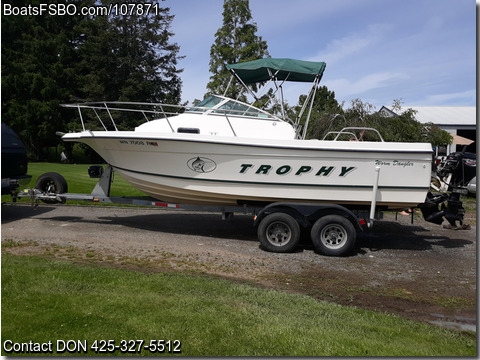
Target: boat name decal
column 393, row 163
column 201, row 164
column 304, row 169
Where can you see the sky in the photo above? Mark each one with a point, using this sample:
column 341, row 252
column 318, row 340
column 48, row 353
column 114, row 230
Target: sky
column 422, row 52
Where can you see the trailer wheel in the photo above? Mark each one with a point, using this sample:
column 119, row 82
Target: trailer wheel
column 52, row 182
column 333, row 235
column 279, row 232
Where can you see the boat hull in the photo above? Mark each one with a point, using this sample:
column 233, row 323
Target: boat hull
column 189, row 168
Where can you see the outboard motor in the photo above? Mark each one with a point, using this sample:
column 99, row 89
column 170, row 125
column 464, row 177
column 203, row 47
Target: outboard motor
column 456, row 171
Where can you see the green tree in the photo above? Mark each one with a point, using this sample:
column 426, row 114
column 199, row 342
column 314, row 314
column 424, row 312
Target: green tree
column 130, row 58
column 236, row 41
column 49, row 60
column 402, row 128
column 38, row 74
column 325, row 109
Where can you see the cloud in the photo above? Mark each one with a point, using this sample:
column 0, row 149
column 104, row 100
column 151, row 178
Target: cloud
column 353, row 43
column 466, row 97
column 345, row 87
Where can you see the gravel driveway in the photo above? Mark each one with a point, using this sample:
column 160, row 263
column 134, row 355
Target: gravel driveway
column 420, row 271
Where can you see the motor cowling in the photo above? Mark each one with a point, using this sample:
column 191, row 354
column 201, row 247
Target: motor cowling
column 461, row 165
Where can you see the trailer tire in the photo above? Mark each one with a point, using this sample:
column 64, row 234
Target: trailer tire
column 333, row 235
column 279, row 232
column 52, row 182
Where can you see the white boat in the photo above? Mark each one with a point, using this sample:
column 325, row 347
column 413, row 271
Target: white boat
column 226, row 152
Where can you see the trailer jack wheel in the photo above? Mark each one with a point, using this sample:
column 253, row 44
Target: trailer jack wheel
column 52, row 183
column 333, row 235
column 279, row 232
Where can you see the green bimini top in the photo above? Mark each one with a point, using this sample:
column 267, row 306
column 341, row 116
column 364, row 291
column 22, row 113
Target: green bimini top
column 255, row 71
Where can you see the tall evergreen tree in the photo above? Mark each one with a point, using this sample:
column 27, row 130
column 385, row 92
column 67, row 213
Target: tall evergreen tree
column 38, row 74
column 236, row 41
column 130, row 58
column 48, row 60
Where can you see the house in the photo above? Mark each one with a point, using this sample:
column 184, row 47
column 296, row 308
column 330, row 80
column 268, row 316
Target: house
column 460, row 121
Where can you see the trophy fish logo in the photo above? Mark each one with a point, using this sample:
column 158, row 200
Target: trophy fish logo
column 201, row 164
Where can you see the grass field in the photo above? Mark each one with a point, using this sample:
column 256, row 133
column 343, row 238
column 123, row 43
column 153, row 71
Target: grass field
column 45, row 300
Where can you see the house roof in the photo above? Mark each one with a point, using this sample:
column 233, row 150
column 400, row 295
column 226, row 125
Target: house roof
column 439, row 115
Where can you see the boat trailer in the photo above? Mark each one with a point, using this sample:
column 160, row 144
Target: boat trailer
column 332, row 227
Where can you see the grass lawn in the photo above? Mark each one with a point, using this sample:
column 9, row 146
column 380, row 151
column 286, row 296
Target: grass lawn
column 46, row 300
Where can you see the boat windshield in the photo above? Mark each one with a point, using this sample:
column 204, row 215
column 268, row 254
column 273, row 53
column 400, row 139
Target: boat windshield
column 235, row 108
column 209, row 102
column 230, row 107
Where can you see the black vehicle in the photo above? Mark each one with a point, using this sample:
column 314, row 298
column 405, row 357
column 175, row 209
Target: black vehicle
column 14, row 162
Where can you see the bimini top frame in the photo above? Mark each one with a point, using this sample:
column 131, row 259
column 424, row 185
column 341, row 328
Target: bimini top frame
column 281, row 70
